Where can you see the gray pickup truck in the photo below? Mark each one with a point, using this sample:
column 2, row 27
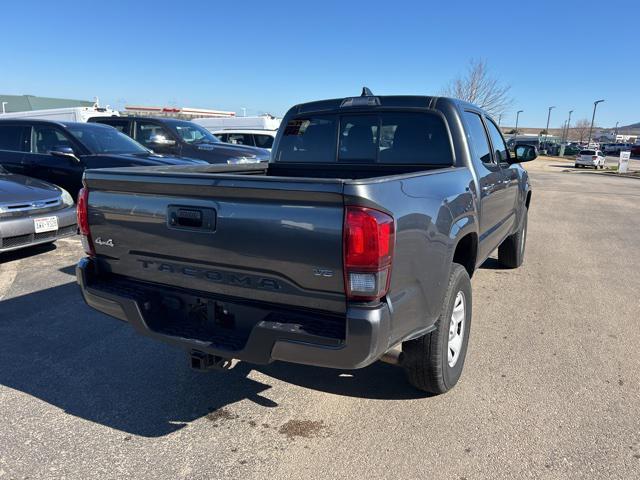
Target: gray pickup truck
column 355, row 243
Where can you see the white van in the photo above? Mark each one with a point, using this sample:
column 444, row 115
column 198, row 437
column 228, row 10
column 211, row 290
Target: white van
column 69, row 114
column 262, row 122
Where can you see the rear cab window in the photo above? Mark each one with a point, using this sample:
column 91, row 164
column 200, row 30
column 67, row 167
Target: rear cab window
column 587, row 152
column 388, row 138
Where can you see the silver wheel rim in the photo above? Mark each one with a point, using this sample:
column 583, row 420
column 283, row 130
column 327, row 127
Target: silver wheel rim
column 456, row 329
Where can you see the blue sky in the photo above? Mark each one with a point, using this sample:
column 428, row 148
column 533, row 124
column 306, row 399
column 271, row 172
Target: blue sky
column 267, row 56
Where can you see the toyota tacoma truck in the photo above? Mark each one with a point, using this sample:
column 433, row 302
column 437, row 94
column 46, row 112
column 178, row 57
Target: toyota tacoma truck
column 355, row 243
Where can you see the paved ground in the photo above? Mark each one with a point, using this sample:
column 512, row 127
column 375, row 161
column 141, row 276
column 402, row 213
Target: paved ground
column 551, row 388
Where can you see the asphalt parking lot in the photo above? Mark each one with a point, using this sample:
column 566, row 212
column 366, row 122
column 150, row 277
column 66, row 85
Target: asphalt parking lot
column 551, row 387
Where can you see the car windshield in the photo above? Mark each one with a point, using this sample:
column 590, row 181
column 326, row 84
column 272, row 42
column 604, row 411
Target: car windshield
column 102, row 139
column 192, row 133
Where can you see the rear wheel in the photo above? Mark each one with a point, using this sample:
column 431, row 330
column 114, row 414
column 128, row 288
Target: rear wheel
column 511, row 250
column 434, row 362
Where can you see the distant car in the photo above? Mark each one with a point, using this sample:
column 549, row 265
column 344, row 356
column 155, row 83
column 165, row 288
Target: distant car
column 571, row 150
column 33, row 212
column 591, row 158
column 181, row 138
column 616, row 148
column 635, row 150
column 253, row 138
column 59, row 152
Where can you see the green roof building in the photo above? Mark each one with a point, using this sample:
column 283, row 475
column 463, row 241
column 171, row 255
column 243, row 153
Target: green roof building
column 25, row 103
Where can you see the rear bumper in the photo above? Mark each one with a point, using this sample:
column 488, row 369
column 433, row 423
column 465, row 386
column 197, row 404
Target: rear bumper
column 19, row 232
column 365, row 338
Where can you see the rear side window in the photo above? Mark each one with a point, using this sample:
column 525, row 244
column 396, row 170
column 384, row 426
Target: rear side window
column 479, row 141
column 120, row 125
column 14, row 138
column 387, row 138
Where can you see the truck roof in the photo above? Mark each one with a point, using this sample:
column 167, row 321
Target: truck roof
column 373, row 101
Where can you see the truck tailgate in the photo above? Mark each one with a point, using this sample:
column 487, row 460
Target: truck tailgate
column 276, row 240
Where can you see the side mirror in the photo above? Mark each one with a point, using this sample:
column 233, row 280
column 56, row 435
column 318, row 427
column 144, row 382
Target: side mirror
column 161, row 141
column 64, row 151
column 525, row 153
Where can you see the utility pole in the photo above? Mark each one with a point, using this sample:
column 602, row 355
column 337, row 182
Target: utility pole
column 593, row 117
column 546, row 130
column 499, row 119
column 515, row 135
column 616, row 137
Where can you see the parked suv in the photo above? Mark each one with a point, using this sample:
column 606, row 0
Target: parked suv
column 183, row 139
column 591, row 158
column 59, row 152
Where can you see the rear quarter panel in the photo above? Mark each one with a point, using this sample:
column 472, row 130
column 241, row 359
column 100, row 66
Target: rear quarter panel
column 432, row 210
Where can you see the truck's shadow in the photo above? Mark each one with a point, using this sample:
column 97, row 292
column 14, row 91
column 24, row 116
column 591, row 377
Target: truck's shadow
column 55, row 348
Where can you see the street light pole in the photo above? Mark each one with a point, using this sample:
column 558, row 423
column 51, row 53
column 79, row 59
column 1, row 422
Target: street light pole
column 546, row 130
column 499, row 119
column 515, row 135
column 616, row 137
column 3, row 107
column 593, row 117
column 568, row 124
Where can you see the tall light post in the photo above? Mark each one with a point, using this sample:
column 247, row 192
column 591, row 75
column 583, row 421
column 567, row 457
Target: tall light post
column 593, row 117
column 616, row 137
column 515, row 135
column 546, row 130
column 3, row 107
column 499, row 119
column 568, row 124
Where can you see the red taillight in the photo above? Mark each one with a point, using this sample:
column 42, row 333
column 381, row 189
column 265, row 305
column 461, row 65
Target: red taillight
column 594, row 157
column 82, row 211
column 369, row 237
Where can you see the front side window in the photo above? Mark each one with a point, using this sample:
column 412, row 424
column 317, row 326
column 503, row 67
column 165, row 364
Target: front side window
column 47, row 139
column 100, row 139
column 14, row 138
column 150, row 134
column 263, row 141
column 192, row 133
column 240, row 139
column 400, row 138
column 478, row 138
column 500, row 150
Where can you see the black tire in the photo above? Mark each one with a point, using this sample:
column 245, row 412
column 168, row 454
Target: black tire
column 511, row 250
column 425, row 359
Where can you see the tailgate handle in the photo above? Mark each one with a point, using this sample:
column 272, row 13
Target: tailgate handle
column 191, row 218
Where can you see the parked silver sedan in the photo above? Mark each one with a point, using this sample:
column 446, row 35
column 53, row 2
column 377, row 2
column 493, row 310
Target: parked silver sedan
column 33, row 212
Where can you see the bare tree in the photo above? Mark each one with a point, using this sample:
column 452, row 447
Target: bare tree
column 479, row 87
column 579, row 130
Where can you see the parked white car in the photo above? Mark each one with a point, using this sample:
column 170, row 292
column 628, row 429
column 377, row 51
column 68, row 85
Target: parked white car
column 591, row 158
column 253, row 138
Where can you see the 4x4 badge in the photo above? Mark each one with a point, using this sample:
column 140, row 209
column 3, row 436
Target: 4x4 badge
column 104, row 243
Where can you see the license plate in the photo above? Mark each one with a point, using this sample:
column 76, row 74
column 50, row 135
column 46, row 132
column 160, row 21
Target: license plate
column 45, row 224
